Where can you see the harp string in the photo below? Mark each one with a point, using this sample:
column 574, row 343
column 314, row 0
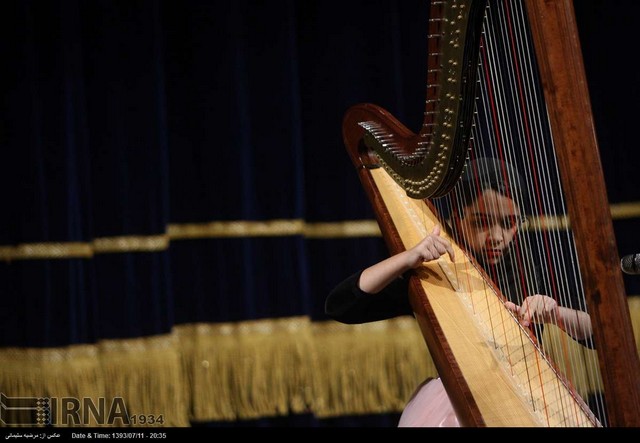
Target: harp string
column 562, row 261
column 525, row 103
column 511, row 125
column 559, row 287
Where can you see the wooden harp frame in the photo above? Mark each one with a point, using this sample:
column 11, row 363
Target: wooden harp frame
column 556, row 41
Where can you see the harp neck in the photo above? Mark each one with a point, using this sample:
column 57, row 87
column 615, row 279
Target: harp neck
column 429, row 163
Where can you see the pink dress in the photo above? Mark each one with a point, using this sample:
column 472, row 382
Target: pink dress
column 429, row 406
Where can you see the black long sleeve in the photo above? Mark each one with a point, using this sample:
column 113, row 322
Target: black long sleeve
column 347, row 303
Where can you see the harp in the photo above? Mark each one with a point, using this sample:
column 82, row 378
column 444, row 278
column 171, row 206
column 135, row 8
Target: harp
column 502, row 376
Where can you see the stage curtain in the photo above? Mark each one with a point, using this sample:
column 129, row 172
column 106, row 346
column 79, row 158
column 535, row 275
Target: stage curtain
column 178, row 203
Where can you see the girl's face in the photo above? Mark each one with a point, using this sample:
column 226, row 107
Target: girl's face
column 489, row 225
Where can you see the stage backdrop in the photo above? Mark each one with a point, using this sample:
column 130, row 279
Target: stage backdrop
column 179, row 202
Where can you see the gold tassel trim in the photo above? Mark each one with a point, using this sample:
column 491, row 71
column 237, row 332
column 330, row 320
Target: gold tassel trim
column 625, row 210
column 249, row 369
column 239, row 228
column 144, row 372
column 35, row 251
column 234, row 371
column 31, row 251
column 275, row 228
column 254, row 369
column 369, row 368
column 150, row 243
column 147, row 373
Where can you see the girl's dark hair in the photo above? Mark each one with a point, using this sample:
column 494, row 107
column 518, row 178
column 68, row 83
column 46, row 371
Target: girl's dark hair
column 490, row 173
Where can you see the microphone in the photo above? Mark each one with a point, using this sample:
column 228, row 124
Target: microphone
column 630, row 264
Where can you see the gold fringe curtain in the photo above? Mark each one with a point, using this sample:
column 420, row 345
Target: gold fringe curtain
column 234, row 371
column 241, row 371
column 144, row 372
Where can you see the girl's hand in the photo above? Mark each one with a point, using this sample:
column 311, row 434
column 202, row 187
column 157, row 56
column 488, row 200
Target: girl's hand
column 535, row 309
column 430, row 248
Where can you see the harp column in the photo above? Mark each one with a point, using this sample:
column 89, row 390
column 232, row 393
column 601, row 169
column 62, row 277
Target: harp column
column 557, row 44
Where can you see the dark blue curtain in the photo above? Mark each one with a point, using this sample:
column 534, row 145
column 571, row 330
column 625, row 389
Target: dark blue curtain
column 121, row 118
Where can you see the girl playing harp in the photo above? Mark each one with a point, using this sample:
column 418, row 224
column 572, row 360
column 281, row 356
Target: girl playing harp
column 486, row 222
